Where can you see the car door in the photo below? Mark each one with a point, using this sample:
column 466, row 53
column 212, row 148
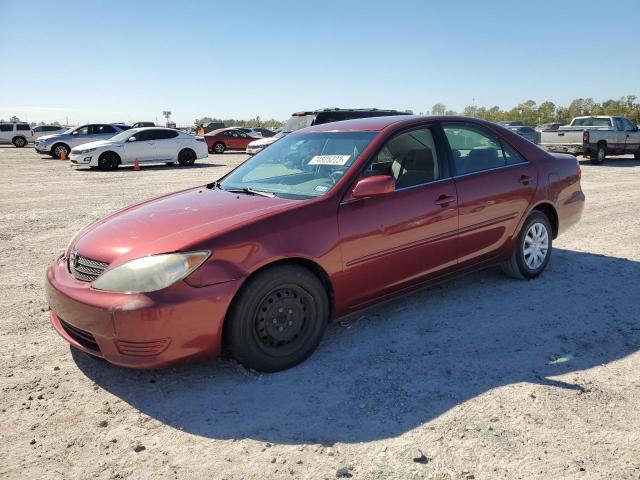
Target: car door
column 231, row 139
column 166, row 145
column 632, row 137
column 143, row 148
column 495, row 185
column 392, row 240
column 81, row 135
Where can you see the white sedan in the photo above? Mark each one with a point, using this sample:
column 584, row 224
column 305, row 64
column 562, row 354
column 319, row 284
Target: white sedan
column 149, row 144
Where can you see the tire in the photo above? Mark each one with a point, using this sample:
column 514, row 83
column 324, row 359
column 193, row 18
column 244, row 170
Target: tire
column 637, row 154
column 19, row 142
column 600, row 155
column 219, row 148
column 277, row 319
column 56, row 150
column 109, row 161
column 186, row 157
column 169, row 163
column 538, row 234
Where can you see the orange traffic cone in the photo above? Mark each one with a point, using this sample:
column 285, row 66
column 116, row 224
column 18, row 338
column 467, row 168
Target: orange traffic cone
column 136, row 165
column 63, row 154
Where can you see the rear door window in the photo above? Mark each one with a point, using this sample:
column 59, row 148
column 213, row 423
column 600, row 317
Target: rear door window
column 23, row 126
column 165, row 134
column 473, row 149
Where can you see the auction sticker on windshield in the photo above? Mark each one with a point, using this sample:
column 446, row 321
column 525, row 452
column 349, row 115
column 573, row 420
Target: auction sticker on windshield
column 329, row 160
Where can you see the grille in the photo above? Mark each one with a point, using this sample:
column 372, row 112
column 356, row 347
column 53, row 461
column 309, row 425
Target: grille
column 83, row 338
column 85, row 269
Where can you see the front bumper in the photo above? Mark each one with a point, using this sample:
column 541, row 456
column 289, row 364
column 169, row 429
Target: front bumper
column 150, row 330
column 42, row 148
column 77, row 159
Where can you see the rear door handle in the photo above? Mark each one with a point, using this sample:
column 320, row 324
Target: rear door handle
column 444, row 200
column 524, row 179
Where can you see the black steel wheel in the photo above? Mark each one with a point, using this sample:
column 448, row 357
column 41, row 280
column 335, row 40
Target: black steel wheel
column 277, row 319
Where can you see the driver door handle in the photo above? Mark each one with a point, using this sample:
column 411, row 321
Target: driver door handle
column 444, row 200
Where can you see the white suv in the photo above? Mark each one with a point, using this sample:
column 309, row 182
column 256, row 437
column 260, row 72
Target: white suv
column 18, row 133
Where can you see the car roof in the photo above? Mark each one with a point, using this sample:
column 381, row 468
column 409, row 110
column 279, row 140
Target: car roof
column 376, row 124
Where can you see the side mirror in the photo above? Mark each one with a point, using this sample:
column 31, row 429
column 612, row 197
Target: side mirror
column 75, row 133
column 131, row 139
column 373, row 186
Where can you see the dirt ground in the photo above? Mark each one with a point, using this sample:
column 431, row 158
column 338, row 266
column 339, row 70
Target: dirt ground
column 483, row 377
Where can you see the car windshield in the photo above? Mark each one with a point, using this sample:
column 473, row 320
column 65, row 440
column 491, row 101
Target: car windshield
column 122, row 136
column 304, row 165
column 298, row 122
column 591, row 122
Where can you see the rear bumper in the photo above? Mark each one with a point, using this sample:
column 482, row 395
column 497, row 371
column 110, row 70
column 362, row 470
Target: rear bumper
column 139, row 330
column 572, row 148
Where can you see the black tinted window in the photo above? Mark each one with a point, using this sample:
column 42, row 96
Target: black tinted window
column 144, row 135
column 6, row 127
column 628, row 125
column 165, row 134
column 23, row 126
column 103, row 129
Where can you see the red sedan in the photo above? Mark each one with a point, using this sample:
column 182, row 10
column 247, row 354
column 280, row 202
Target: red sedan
column 324, row 222
column 228, row 139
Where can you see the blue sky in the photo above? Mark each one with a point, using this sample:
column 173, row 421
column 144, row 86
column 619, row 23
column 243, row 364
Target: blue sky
column 129, row 60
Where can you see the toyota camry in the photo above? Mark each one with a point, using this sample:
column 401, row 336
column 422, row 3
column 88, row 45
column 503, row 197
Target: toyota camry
column 326, row 221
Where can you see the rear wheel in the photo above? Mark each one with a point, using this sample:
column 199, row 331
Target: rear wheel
column 278, row 318
column 186, row 157
column 637, row 154
column 109, row 161
column 219, row 148
column 600, row 154
column 58, row 149
column 19, row 142
column 532, row 250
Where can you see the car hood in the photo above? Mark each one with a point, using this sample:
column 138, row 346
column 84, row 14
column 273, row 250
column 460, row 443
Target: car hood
column 263, row 142
column 96, row 144
column 50, row 137
column 177, row 222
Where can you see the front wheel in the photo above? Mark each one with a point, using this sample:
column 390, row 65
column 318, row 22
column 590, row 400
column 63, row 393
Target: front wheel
column 532, row 250
column 109, row 161
column 278, row 318
column 60, row 149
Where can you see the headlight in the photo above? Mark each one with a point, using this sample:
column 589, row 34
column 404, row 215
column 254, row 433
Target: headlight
column 88, row 150
column 148, row 274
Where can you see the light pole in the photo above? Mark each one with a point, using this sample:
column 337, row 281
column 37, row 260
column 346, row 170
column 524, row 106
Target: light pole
column 166, row 114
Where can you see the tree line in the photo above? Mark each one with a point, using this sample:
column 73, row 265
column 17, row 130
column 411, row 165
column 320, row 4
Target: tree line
column 530, row 113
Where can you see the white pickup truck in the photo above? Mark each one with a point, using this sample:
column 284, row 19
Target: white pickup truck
column 594, row 137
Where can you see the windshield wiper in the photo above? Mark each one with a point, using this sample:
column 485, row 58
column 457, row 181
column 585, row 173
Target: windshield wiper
column 247, row 190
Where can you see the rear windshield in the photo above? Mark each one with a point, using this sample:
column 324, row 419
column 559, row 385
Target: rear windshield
column 591, row 122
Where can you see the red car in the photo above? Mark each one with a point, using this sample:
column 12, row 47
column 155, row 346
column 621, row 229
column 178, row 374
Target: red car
column 228, row 139
column 327, row 220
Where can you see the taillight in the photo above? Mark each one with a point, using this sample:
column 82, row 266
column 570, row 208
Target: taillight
column 585, row 136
